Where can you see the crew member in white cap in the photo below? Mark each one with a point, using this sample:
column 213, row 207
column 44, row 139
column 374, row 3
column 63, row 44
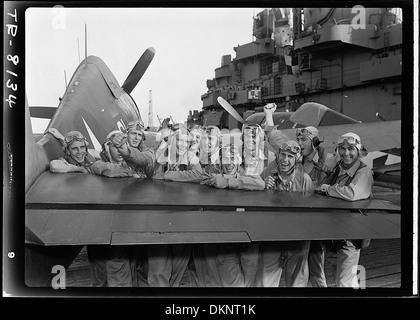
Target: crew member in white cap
column 351, row 180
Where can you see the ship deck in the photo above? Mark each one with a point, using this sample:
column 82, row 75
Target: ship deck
column 381, row 260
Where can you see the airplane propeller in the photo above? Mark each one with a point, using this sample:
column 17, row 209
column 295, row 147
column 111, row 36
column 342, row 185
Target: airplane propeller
column 238, row 117
column 138, row 70
column 230, row 109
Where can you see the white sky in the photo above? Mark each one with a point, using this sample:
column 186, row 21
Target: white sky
column 189, row 44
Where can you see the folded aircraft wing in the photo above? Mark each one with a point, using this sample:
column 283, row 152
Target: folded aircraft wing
column 79, row 209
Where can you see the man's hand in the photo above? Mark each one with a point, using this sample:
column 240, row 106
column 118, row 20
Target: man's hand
column 322, row 189
column 270, row 108
column 270, row 182
column 119, row 139
column 119, row 173
column 82, row 170
column 217, row 181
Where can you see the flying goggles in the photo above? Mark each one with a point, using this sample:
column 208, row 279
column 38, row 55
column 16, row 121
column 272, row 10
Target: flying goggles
column 290, row 147
column 135, row 125
column 74, row 135
column 350, row 140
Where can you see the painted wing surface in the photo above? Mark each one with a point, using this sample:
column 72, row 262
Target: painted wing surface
column 111, row 210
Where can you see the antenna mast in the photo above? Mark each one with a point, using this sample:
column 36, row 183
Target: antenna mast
column 65, row 78
column 86, row 44
column 150, row 109
column 78, row 48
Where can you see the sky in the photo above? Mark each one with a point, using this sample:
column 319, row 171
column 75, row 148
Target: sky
column 189, row 45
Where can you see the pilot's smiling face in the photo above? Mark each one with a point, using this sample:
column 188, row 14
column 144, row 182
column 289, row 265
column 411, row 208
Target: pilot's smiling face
column 195, row 138
column 305, row 144
column 348, row 153
column 286, row 161
column 209, row 143
column 134, row 137
column 77, row 151
column 182, row 144
column 229, row 168
column 229, row 163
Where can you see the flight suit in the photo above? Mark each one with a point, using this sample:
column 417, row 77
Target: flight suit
column 352, row 184
column 167, row 263
column 238, row 262
column 292, row 256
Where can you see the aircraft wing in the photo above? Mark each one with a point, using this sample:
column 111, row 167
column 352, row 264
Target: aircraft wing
column 79, row 209
column 376, row 136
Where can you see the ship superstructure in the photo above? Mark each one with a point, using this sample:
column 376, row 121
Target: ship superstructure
column 348, row 59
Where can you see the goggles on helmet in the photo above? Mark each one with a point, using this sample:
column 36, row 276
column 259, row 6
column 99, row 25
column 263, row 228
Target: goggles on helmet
column 350, row 140
column 304, row 132
column 112, row 133
column 286, row 146
column 74, row 135
column 135, row 125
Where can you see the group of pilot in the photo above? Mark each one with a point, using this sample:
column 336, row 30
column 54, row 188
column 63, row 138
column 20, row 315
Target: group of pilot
column 201, row 155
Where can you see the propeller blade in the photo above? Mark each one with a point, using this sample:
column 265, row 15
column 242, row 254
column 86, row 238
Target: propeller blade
column 138, row 70
column 230, row 109
column 42, row 112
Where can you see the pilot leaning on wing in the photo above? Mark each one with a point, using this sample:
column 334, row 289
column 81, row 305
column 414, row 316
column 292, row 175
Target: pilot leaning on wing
column 76, row 158
column 210, row 144
column 134, row 151
column 109, row 265
column 350, row 180
column 316, row 162
column 285, row 174
column 253, row 137
column 313, row 158
column 237, row 264
column 167, row 263
column 175, row 160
